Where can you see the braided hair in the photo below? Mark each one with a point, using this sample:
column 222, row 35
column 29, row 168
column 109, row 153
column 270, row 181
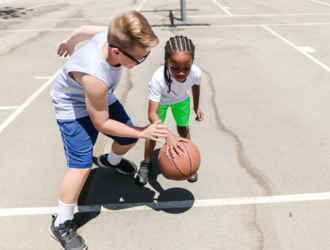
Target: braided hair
column 177, row 43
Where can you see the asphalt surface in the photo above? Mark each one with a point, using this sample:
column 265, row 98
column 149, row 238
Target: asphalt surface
column 265, row 133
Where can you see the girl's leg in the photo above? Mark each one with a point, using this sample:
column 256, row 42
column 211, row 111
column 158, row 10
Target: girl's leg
column 184, row 132
column 142, row 177
column 148, row 149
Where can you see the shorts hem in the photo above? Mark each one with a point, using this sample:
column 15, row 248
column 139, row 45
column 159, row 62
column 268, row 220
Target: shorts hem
column 79, row 165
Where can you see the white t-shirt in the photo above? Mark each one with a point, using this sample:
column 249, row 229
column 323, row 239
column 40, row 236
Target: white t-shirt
column 68, row 95
column 158, row 89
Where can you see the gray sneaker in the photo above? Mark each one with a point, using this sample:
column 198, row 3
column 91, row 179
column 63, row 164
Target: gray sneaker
column 142, row 177
column 193, row 178
column 67, row 236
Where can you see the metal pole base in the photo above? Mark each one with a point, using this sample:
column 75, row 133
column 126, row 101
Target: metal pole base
column 172, row 20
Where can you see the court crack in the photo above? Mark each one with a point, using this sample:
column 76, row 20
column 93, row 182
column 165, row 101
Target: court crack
column 250, row 220
column 242, row 159
column 261, row 230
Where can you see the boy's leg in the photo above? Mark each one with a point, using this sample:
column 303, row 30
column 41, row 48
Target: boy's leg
column 142, row 177
column 72, row 184
column 78, row 138
column 120, row 146
column 181, row 113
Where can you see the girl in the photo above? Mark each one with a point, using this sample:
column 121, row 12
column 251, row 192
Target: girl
column 169, row 87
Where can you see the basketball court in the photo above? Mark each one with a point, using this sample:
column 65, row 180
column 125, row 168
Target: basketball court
column 264, row 142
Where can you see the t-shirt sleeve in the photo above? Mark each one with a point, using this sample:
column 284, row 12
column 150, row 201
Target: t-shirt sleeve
column 198, row 76
column 155, row 90
column 101, row 34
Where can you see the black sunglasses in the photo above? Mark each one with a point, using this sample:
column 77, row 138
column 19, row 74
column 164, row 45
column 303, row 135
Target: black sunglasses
column 131, row 57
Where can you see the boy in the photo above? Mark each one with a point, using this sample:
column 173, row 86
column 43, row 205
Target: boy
column 85, row 105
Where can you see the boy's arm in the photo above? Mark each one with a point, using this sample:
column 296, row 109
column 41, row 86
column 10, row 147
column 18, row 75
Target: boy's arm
column 85, row 32
column 97, row 107
column 172, row 141
column 196, row 93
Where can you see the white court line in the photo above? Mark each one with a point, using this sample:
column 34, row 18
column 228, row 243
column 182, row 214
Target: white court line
column 72, row 19
column 150, row 18
column 259, row 15
column 187, row 27
column 26, row 103
column 306, row 49
column 223, row 8
column 60, row 19
column 171, row 204
column 42, row 77
column 38, row 30
column 297, row 48
column 138, row 9
column 39, row 5
column 320, row 2
column 9, row 107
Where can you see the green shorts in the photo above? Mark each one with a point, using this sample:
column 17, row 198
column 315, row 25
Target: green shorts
column 180, row 111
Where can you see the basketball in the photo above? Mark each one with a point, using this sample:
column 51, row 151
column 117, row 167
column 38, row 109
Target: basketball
column 180, row 167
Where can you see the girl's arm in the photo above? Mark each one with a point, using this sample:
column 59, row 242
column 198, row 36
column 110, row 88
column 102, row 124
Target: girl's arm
column 172, row 141
column 85, row 32
column 196, row 93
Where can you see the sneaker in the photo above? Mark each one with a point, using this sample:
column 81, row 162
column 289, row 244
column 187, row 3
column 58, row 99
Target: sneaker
column 142, row 177
column 124, row 167
column 67, row 236
column 193, row 178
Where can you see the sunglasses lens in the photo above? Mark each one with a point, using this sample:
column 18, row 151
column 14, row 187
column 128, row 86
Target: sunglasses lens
column 142, row 59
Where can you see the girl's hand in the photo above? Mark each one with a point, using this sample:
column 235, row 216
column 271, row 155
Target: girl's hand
column 65, row 49
column 173, row 145
column 200, row 115
column 155, row 130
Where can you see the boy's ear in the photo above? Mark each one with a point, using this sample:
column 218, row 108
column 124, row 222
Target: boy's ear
column 115, row 51
column 166, row 63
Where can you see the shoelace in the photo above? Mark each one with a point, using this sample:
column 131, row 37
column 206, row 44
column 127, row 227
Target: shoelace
column 67, row 232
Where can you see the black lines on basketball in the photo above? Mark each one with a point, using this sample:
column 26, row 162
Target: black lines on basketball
column 177, row 166
column 188, row 157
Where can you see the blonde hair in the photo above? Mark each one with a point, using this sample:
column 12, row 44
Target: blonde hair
column 129, row 29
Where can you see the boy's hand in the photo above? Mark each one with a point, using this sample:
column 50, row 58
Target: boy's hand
column 173, row 144
column 155, row 130
column 65, row 49
column 200, row 115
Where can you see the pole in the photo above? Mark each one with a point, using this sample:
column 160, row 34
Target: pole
column 183, row 10
column 172, row 19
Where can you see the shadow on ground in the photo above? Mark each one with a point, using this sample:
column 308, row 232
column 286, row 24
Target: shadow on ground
column 10, row 12
column 107, row 186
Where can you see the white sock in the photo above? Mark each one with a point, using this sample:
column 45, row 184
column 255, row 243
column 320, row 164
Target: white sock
column 65, row 212
column 114, row 159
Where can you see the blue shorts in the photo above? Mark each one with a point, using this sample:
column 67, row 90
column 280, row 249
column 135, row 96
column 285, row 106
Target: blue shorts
column 79, row 136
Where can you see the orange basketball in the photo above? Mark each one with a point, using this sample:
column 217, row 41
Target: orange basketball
column 180, row 167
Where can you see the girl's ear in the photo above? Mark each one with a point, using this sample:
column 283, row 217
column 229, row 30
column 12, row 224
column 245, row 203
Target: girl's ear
column 166, row 63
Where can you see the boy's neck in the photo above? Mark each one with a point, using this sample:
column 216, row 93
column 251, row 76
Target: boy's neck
column 108, row 56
